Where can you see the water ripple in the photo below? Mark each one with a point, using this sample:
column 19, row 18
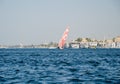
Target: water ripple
column 72, row 66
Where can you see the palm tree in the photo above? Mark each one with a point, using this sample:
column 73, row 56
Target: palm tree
column 78, row 39
column 88, row 39
column 113, row 39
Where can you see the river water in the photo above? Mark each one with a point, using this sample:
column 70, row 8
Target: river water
column 54, row 66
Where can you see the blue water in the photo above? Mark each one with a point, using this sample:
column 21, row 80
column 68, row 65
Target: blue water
column 51, row 66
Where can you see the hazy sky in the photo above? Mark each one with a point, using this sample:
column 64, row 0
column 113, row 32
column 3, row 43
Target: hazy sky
column 42, row 21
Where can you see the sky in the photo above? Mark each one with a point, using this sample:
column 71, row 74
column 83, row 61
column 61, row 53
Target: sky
column 43, row 21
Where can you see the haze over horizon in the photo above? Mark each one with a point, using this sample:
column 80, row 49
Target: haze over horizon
column 43, row 21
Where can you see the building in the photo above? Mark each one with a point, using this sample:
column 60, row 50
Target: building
column 75, row 45
column 117, row 39
column 93, row 44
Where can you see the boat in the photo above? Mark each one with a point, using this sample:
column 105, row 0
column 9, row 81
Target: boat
column 62, row 41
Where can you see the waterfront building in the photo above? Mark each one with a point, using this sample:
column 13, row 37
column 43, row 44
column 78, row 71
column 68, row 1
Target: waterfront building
column 75, row 45
column 113, row 45
column 84, row 40
column 93, row 44
column 84, row 44
column 117, row 44
column 117, row 39
column 101, row 44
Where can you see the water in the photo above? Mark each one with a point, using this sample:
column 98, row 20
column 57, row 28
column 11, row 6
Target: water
column 51, row 66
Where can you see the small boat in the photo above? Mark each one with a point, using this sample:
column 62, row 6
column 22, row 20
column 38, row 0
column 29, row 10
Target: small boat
column 63, row 39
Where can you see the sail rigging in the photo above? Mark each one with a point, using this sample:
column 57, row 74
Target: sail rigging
column 63, row 39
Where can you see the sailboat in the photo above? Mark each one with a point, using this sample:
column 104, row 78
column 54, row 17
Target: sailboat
column 63, row 39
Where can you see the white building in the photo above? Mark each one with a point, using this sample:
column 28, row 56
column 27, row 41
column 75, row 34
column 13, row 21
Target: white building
column 75, row 45
column 117, row 44
column 93, row 44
